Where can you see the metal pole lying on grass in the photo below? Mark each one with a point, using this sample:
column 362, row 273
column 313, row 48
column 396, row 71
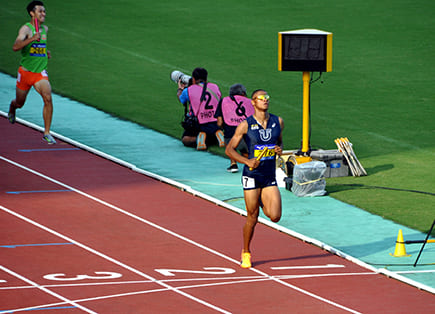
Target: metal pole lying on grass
column 424, row 243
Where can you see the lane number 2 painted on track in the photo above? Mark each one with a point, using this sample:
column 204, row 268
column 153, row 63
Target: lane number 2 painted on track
column 100, row 275
column 207, row 270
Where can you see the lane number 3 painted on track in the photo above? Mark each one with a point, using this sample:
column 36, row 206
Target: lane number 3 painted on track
column 100, row 275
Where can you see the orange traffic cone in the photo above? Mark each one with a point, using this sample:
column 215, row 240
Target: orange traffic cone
column 400, row 250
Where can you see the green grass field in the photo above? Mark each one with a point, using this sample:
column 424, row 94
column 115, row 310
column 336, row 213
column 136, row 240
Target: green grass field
column 117, row 56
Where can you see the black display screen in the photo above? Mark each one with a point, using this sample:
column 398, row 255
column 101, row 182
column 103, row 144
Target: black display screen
column 299, row 47
column 302, row 52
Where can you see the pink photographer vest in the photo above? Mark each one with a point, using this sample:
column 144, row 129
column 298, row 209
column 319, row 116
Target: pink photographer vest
column 206, row 109
column 234, row 114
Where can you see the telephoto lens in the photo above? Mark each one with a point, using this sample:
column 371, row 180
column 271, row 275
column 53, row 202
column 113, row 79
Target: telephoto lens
column 178, row 75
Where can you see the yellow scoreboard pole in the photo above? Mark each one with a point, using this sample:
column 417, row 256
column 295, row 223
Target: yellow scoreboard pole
column 306, row 113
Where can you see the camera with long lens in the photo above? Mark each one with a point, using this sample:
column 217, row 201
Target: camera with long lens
column 178, row 75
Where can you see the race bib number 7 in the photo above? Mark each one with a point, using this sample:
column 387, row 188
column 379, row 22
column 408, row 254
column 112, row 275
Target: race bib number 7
column 248, row 183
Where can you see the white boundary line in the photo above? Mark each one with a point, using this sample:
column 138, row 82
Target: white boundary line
column 192, row 191
column 308, row 267
column 157, row 227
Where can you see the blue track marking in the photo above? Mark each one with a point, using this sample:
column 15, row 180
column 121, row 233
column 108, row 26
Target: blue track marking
column 13, row 246
column 44, row 308
column 39, row 191
column 46, row 149
column 53, row 308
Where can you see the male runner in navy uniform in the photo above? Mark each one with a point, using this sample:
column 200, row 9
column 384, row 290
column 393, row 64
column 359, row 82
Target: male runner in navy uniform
column 263, row 135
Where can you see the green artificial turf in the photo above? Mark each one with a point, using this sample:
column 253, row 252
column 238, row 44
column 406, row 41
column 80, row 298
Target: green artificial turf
column 118, row 55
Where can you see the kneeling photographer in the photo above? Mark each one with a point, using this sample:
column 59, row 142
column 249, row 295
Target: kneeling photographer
column 202, row 99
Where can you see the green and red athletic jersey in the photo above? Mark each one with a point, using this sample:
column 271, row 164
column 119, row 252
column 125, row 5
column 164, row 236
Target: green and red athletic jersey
column 34, row 55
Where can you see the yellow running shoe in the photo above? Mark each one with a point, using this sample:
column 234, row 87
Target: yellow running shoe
column 246, row 260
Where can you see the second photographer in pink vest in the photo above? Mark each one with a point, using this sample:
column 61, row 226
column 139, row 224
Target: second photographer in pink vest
column 232, row 110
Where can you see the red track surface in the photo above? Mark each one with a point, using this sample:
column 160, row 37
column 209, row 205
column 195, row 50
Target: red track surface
column 121, row 242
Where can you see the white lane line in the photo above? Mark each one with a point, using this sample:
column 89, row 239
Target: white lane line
column 307, row 267
column 169, row 232
column 414, row 271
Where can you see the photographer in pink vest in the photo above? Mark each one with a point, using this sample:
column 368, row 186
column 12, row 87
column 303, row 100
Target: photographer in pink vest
column 203, row 98
column 232, row 110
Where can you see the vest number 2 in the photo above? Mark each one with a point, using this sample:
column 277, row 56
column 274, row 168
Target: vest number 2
column 207, row 99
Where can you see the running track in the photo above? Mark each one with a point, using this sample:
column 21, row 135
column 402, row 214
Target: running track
column 79, row 233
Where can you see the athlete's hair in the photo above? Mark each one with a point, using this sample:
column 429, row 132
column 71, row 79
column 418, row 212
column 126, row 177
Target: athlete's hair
column 31, row 6
column 237, row 89
column 255, row 92
column 200, row 74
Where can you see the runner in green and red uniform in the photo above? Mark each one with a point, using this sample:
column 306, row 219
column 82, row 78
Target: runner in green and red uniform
column 33, row 66
column 262, row 132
